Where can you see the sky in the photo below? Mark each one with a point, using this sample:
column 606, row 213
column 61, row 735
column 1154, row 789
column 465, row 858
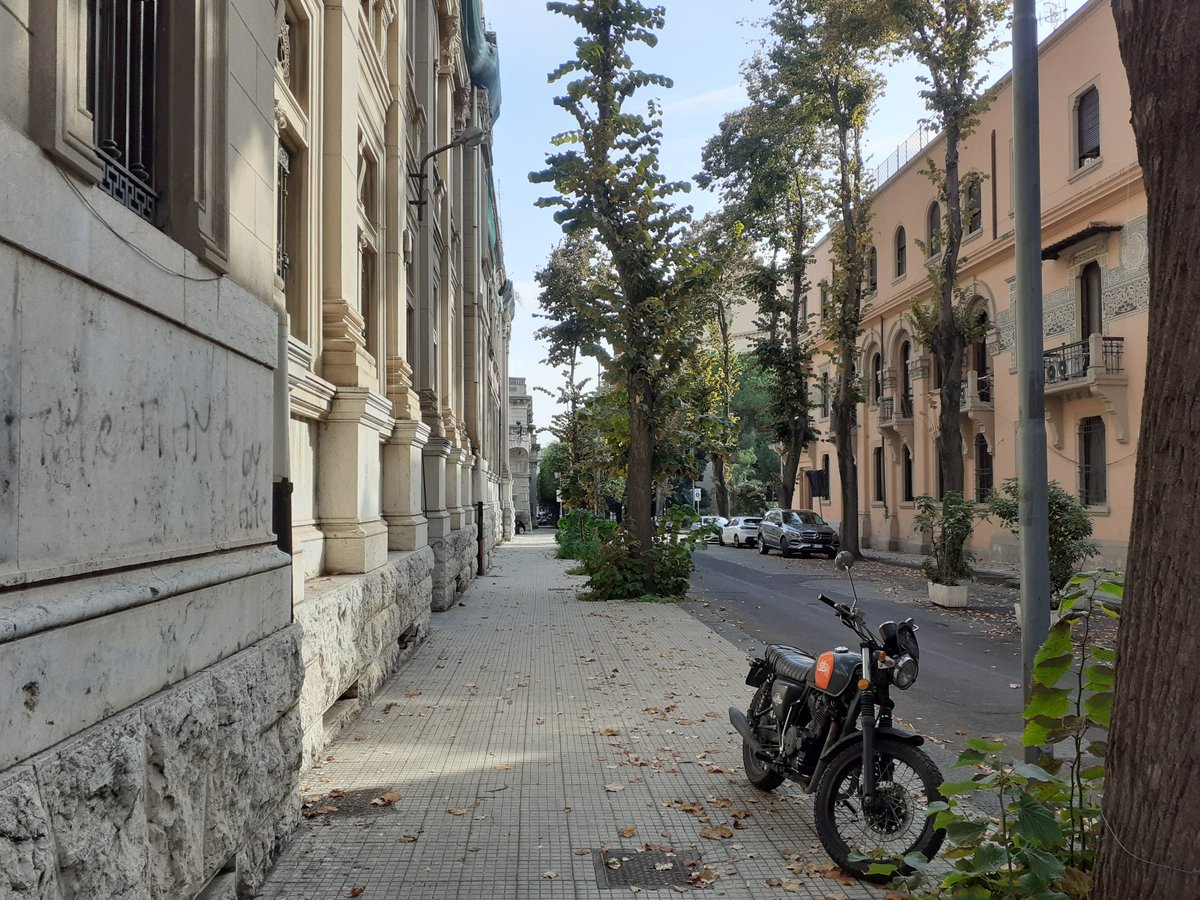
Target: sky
column 701, row 49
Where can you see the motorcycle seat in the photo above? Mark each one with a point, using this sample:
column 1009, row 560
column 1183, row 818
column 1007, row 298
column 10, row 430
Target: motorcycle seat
column 789, row 663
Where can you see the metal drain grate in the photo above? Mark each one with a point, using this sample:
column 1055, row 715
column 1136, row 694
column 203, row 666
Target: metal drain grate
column 637, row 869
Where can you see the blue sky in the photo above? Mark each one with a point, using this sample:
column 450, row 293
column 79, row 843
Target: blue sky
column 701, row 49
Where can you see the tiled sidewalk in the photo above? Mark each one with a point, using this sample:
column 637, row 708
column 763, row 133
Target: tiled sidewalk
column 530, row 732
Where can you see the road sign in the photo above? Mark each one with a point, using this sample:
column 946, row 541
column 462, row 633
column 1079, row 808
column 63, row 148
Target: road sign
column 696, row 494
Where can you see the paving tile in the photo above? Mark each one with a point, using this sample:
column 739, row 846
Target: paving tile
column 530, row 726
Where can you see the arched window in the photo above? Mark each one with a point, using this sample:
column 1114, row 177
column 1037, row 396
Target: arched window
column 974, row 206
column 933, row 229
column 901, row 252
column 983, row 469
column 907, row 466
column 873, row 271
column 876, row 377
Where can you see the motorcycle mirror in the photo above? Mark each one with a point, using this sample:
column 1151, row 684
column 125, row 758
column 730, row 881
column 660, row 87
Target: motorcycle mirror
column 844, row 560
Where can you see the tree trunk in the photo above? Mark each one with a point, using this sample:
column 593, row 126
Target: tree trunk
column 948, row 340
column 639, row 472
column 1152, row 798
column 722, row 486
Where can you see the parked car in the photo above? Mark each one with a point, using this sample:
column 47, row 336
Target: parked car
column 799, row 531
column 713, row 524
column 741, row 531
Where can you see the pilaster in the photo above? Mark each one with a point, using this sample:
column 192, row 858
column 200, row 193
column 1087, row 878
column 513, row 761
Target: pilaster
column 434, row 455
column 454, row 488
column 403, row 486
column 350, row 504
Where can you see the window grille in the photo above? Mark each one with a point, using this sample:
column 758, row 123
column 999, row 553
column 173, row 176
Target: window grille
column 1087, row 125
column 908, row 475
column 983, row 469
column 123, row 57
column 1093, row 465
column 282, row 171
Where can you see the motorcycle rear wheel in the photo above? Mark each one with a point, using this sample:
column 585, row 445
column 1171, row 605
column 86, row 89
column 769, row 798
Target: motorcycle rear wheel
column 756, row 771
column 907, row 780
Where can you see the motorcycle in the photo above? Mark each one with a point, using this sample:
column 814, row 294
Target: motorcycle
column 825, row 723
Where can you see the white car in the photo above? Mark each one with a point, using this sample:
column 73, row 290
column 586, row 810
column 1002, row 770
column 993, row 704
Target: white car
column 714, row 522
column 741, row 531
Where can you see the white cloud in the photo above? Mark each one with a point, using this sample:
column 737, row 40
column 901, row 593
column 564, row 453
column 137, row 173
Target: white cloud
column 725, row 98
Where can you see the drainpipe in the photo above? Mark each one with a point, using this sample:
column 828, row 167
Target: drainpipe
column 479, row 535
column 281, row 488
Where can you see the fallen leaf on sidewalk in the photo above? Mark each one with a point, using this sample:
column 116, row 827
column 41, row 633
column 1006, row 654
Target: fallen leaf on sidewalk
column 566, row 809
column 539, row 721
column 663, row 867
column 610, row 732
column 773, row 882
column 703, row 877
column 717, row 832
column 387, row 799
column 355, row 892
column 320, row 811
column 583, row 852
column 456, row 810
column 613, row 863
column 613, row 788
column 550, row 875
column 408, row 838
column 503, row 767
column 628, row 831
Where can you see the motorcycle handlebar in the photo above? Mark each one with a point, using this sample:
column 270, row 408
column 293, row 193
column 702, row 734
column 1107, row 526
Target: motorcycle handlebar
column 826, row 601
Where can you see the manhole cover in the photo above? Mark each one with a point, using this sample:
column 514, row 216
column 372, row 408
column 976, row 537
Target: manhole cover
column 619, row 868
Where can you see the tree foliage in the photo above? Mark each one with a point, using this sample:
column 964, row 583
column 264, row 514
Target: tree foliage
column 953, row 40
column 608, row 182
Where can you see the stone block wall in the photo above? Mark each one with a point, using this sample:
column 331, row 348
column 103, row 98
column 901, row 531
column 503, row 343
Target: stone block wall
column 356, row 630
column 195, row 785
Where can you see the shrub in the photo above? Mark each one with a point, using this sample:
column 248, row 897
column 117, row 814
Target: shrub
column 617, row 572
column 1070, row 527
column 580, row 534
column 948, row 525
column 1045, row 840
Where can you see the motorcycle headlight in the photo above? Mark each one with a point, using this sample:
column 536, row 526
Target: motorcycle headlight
column 905, row 673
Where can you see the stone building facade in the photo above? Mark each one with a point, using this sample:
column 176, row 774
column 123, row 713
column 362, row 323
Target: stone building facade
column 522, row 453
column 253, row 374
column 1096, row 286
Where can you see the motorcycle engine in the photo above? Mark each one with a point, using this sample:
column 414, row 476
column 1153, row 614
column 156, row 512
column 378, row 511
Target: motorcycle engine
column 821, row 710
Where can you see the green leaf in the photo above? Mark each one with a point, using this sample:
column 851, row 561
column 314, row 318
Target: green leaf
column 1057, row 643
column 988, row 857
column 1032, row 772
column 1098, row 748
column 965, row 831
column 954, row 788
column 1049, row 671
column 968, row 758
column 1036, row 822
column 936, row 807
column 1103, row 654
column 916, row 861
column 1099, row 708
column 1098, row 676
column 880, row 868
column 1045, row 866
column 1092, row 773
column 1047, row 701
column 984, row 746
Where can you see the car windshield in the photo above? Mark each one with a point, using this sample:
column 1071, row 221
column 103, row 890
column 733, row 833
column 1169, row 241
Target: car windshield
column 802, row 517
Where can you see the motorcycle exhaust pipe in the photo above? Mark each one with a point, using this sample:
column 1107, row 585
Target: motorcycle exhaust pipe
column 738, row 720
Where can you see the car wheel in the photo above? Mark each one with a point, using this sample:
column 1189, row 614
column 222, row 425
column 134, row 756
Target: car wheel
column 763, row 549
column 721, row 539
column 737, row 542
column 785, row 546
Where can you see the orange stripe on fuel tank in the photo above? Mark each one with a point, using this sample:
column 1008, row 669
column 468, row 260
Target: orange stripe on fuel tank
column 824, row 670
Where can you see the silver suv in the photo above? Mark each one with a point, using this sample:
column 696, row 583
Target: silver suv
column 799, row 531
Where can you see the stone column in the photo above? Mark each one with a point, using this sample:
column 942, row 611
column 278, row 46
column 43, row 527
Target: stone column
column 356, row 537
column 454, row 502
column 434, row 455
column 404, row 486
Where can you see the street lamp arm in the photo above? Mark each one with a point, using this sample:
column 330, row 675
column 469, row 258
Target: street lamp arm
column 471, row 136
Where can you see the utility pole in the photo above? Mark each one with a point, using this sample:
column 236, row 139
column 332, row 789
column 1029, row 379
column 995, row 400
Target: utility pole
column 1031, row 375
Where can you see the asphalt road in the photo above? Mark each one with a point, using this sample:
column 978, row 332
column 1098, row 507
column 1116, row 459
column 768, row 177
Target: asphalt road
column 968, row 672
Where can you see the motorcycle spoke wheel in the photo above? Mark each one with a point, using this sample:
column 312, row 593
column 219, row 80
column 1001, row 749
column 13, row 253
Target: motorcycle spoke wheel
column 906, row 783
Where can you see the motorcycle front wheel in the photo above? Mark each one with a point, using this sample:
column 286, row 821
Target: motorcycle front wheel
column 906, row 782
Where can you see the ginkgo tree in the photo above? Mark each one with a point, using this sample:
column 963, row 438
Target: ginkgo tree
column 605, row 171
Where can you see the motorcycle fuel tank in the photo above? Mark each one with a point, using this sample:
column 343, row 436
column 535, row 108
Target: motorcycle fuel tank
column 835, row 672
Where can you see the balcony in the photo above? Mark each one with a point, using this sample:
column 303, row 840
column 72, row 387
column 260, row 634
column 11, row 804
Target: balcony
column 1091, row 368
column 977, row 407
column 896, row 415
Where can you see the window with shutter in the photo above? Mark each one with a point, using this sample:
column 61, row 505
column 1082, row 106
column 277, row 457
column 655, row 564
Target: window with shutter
column 901, row 252
column 933, row 230
column 1087, row 126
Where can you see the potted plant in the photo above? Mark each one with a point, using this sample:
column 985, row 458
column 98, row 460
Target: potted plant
column 947, row 525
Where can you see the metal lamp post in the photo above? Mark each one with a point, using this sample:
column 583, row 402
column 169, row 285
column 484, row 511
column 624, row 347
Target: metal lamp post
column 471, row 136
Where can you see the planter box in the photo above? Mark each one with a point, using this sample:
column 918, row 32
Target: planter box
column 948, row 595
